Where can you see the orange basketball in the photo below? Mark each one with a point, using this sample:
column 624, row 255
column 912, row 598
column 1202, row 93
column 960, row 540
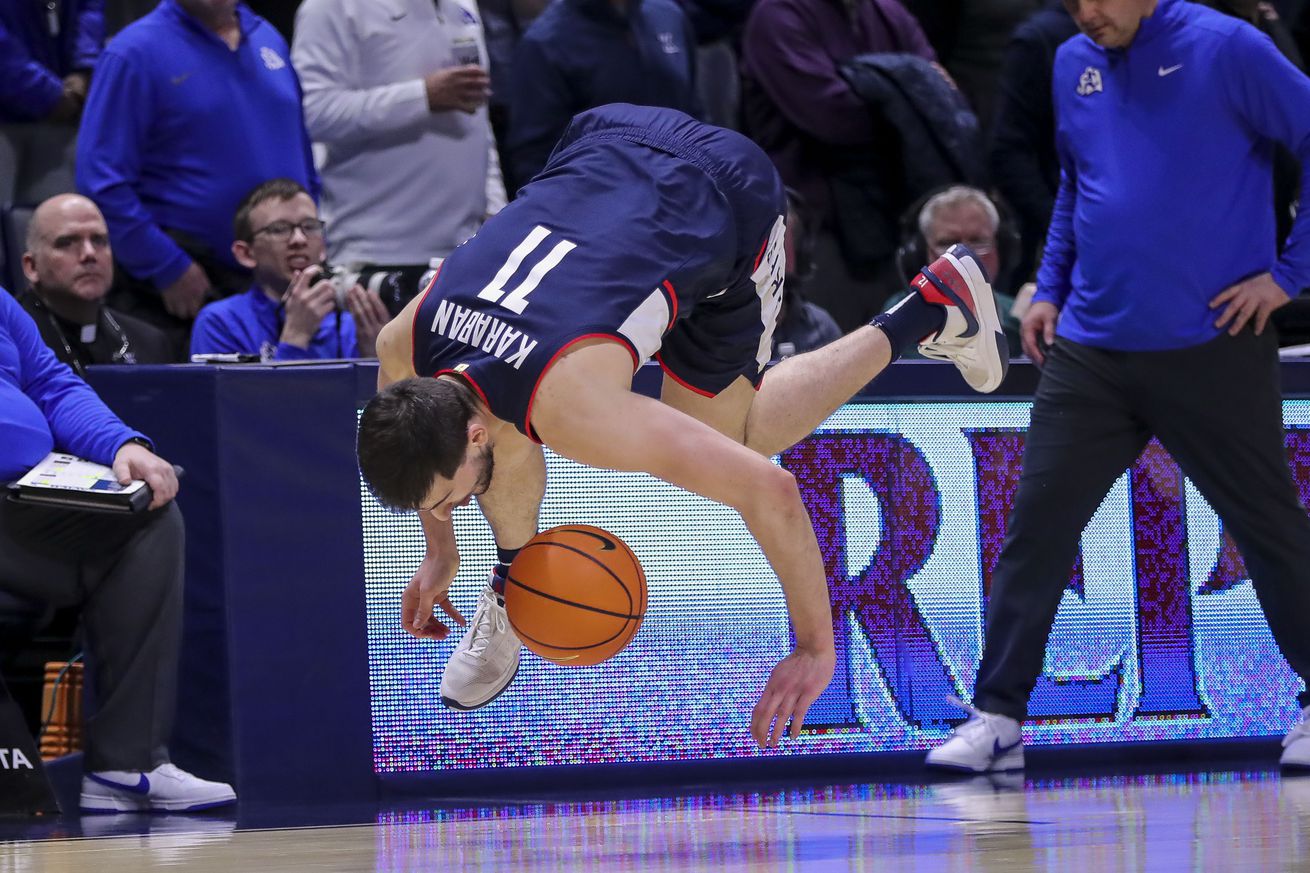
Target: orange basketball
column 575, row 595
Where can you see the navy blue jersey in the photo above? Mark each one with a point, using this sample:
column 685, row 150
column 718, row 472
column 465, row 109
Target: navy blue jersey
column 646, row 227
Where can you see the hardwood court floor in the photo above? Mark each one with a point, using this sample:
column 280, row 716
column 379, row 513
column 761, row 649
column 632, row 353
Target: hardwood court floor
column 1236, row 821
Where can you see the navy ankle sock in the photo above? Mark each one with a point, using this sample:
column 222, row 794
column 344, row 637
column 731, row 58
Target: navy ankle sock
column 909, row 321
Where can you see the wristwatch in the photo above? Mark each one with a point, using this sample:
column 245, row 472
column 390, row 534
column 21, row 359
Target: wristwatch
column 140, row 442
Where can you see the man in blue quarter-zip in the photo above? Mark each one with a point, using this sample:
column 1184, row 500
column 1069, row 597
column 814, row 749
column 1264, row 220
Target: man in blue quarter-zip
column 191, row 107
column 123, row 571
column 1150, row 319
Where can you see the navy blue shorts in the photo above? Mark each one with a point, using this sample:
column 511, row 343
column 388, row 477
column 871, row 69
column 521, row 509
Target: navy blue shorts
column 645, row 226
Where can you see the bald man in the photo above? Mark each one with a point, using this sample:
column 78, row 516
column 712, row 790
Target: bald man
column 70, row 266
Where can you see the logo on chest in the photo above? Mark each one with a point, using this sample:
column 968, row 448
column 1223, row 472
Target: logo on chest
column 271, row 59
column 1089, row 82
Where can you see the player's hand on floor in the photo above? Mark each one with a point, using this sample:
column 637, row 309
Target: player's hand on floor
column 424, row 593
column 795, row 683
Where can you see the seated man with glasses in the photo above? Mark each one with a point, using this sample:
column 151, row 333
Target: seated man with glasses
column 298, row 309
column 69, row 266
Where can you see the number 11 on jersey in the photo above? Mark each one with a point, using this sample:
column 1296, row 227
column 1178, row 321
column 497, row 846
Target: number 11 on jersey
column 517, row 300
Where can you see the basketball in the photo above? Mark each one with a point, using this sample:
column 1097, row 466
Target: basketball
column 575, row 595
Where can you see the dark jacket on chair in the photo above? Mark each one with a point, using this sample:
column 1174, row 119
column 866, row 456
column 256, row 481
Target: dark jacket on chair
column 938, row 145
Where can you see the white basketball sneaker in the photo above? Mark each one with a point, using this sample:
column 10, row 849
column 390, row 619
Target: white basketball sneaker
column 971, row 338
column 164, row 789
column 988, row 742
column 1296, row 745
column 486, row 659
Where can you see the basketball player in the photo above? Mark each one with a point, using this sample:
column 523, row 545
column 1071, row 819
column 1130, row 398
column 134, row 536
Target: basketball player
column 648, row 234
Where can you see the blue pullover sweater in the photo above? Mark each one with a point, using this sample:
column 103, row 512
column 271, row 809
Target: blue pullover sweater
column 179, row 128
column 251, row 324
column 1166, row 194
column 43, row 406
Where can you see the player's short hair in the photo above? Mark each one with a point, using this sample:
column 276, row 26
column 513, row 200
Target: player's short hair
column 281, row 190
column 410, row 433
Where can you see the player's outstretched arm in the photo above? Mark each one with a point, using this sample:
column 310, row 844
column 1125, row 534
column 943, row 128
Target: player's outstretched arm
column 585, row 410
column 429, row 587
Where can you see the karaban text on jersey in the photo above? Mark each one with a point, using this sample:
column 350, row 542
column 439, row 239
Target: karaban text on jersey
column 479, row 330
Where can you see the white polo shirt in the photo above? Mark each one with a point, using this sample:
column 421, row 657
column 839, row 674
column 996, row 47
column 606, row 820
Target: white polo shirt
column 401, row 184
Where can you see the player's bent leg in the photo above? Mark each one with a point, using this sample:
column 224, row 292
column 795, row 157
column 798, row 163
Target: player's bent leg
column 487, row 658
column 988, row 742
column 798, row 394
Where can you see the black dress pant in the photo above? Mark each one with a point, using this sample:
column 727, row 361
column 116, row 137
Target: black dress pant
column 125, row 572
column 1217, row 409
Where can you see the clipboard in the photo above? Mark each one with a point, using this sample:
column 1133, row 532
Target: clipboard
column 63, row 480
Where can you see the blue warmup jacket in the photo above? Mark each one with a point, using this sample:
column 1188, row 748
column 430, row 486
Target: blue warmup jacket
column 179, row 128
column 580, row 54
column 33, row 61
column 251, row 323
column 1166, row 195
column 43, row 406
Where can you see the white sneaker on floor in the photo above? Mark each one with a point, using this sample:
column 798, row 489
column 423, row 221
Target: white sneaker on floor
column 988, row 742
column 971, row 338
column 1296, row 745
column 486, row 659
column 164, row 789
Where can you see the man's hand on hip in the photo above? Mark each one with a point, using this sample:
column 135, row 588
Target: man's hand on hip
column 1256, row 298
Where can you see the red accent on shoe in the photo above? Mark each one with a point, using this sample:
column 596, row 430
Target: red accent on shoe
column 946, row 272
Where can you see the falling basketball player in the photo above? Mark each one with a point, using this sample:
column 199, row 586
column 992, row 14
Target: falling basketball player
column 648, row 234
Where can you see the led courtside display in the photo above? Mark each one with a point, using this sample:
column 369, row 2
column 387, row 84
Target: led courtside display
column 1158, row 636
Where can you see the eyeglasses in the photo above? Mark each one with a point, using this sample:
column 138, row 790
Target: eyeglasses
column 979, row 247
column 281, row 231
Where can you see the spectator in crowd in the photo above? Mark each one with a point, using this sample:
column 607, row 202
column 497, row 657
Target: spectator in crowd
column 1024, row 165
column 800, row 109
column 503, row 24
column 970, row 38
column 1158, row 279
column 125, row 572
column 802, row 326
column 69, row 266
column 295, row 311
column 964, row 215
column 580, row 54
column 47, row 53
column 398, row 95
column 192, row 106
